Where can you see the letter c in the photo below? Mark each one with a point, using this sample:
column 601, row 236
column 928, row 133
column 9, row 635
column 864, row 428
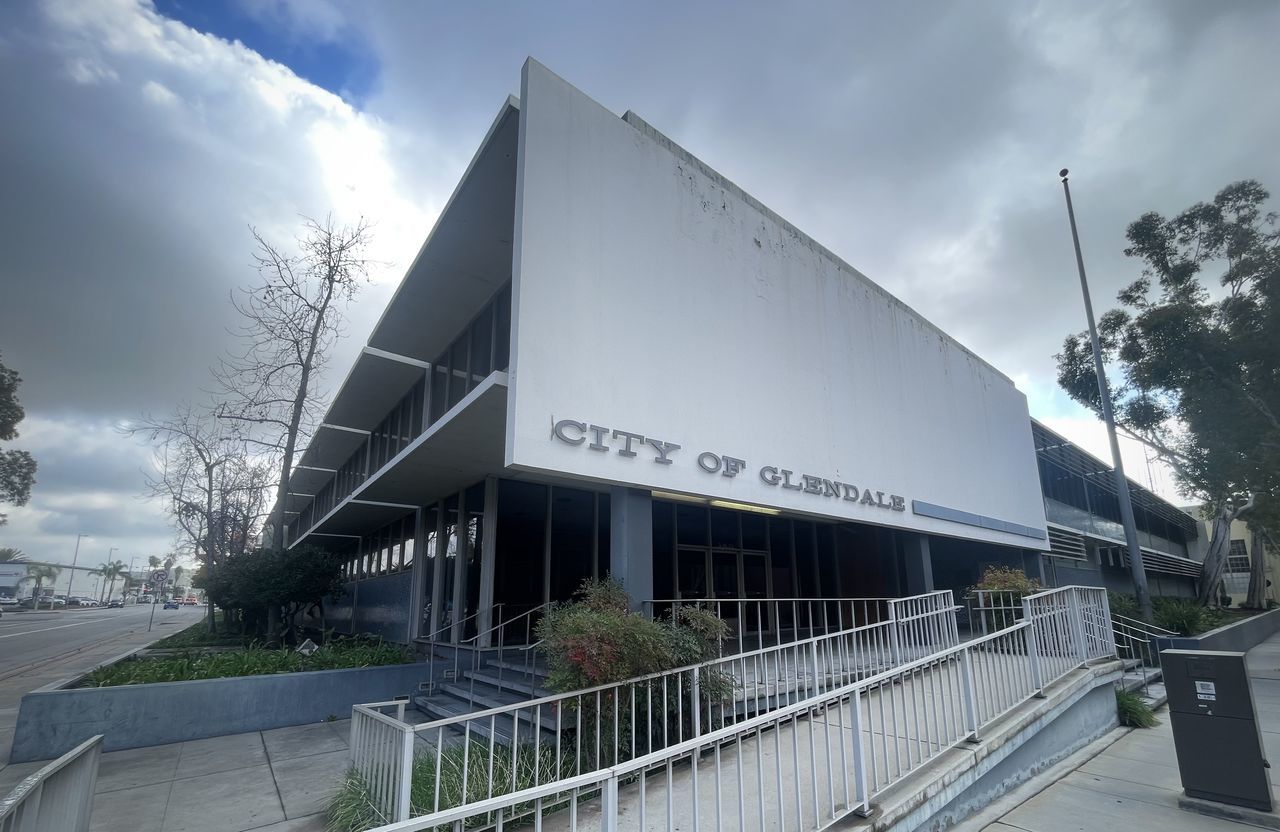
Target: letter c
column 559, row 429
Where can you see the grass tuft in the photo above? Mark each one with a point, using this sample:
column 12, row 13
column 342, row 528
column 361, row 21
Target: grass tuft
column 1133, row 712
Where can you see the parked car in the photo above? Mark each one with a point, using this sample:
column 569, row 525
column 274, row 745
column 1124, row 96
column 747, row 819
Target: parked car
column 115, row 604
column 146, row 599
column 190, row 601
column 7, row 599
column 171, row 604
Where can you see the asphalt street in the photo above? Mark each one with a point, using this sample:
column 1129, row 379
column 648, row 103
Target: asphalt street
column 30, row 637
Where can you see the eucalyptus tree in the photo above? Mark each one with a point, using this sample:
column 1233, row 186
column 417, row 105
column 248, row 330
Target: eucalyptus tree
column 17, row 468
column 1197, row 363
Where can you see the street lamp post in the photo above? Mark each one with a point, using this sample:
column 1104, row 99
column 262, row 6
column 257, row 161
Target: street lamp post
column 1136, row 567
column 74, row 558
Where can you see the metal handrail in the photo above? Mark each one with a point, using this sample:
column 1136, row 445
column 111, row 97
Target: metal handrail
column 508, row 622
column 59, row 795
column 1140, row 625
column 453, row 624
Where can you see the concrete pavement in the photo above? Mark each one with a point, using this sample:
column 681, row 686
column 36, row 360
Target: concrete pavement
column 1133, row 783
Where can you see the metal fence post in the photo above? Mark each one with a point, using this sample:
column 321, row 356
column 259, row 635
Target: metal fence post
column 862, row 800
column 609, row 805
column 695, row 690
column 405, row 786
column 970, row 695
column 1033, row 653
column 1077, row 624
column 1108, row 626
column 895, row 642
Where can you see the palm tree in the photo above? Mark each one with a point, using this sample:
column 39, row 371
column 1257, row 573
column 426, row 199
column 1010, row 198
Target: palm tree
column 110, row 571
column 40, row 573
column 153, row 561
column 9, row 555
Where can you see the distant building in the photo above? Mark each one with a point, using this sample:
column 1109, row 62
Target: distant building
column 1235, row 575
column 1086, row 538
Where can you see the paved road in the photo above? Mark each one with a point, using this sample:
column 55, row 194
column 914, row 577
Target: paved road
column 30, row 637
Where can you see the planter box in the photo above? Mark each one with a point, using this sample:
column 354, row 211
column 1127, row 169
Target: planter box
column 55, row 719
column 1239, row 637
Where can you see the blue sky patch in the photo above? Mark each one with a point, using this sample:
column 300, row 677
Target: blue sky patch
column 347, row 68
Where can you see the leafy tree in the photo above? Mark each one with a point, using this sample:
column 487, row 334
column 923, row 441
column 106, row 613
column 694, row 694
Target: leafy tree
column 1199, row 365
column 11, row 555
column 17, row 468
column 267, row 586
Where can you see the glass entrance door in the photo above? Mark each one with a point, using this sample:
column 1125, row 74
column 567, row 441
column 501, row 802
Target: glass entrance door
column 691, row 573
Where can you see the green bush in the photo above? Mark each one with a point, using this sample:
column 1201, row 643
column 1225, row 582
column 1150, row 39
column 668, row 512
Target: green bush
column 1125, row 605
column 1008, row 579
column 254, row 661
column 597, row 639
column 1183, row 616
column 1133, row 712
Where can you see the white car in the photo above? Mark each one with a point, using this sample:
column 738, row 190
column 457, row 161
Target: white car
column 8, row 599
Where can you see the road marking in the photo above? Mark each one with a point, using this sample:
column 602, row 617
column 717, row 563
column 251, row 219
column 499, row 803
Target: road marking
column 59, row 627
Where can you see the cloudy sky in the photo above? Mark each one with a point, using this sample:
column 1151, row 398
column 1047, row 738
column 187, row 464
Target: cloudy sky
column 918, row 140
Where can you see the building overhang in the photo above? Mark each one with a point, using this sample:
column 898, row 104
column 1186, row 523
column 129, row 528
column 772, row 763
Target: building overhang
column 467, row 256
column 353, row 517
column 463, row 447
column 331, row 445
column 374, row 384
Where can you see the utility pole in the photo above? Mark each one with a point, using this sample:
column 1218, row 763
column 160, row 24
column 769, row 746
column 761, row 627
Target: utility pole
column 1136, row 568
column 74, row 558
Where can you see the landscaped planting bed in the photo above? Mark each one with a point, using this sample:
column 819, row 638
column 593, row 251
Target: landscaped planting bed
column 338, row 654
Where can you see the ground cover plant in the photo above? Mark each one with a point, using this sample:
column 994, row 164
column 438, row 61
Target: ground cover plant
column 1133, row 712
column 339, row 653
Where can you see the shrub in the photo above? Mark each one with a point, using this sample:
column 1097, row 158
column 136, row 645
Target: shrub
column 1133, row 712
column 597, row 639
column 1125, row 605
column 1008, row 579
column 1184, row 616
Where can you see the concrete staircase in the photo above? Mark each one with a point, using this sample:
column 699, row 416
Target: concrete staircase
column 490, row 680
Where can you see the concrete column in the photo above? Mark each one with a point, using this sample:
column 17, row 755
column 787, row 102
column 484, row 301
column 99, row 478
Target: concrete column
column 915, row 552
column 488, row 557
column 420, row 565
column 631, row 542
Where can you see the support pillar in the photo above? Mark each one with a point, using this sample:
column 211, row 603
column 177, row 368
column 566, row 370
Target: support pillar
column 488, row 559
column 631, row 542
column 915, row 552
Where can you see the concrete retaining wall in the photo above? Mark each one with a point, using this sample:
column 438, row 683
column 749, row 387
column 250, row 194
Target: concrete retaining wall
column 1238, row 637
column 52, row 721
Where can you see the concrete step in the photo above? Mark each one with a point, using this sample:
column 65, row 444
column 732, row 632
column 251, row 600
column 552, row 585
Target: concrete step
column 530, row 687
column 483, row 697
column 534, row 669
column 446, row 706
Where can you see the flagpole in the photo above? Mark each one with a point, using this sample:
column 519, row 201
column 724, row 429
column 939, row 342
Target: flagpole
column 1136, row 567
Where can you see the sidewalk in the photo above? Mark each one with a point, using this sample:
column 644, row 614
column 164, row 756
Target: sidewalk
column 1134, row 783
column 267, row 781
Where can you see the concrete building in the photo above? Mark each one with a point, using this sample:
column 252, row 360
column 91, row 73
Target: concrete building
column 607, row 358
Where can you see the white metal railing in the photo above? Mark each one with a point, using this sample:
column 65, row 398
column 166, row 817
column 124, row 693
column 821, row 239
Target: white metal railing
column 1136, row 641
column 552, row 737
column 813, row 761
column 759, row 622
column 58, row 797
column 989, row 610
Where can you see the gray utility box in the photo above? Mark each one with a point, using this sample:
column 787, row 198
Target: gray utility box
column 1215, row 728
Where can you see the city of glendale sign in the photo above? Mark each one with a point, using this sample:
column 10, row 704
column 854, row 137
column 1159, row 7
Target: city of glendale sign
column 628, row 444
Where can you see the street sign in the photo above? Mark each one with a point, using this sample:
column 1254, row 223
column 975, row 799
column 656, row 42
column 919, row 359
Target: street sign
column 160, row 576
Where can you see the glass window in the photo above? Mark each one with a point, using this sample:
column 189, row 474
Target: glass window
column 691, row 525
column 481, row 346
column 475, row 546
column 603, row 519
column 439, row 387
column 724, row 528
column 572, row 540
column 521, row 529
column 806, row 562
column 428, row 569
column 502, row 323
column 664, row 531
column 458, row 370
column 755, row 532
column 780, row 561
column 449, row 576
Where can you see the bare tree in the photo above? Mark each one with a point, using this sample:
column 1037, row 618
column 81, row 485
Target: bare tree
column 291, row 317
column 213, row 489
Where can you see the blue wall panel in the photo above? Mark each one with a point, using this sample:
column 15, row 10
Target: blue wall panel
column 382, row 606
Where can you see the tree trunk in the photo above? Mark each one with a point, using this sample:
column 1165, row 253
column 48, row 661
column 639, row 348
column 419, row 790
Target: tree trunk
column 1257, row 598
column 1216, row 558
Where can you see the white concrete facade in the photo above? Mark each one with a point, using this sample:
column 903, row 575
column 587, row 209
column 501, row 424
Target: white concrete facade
column 652, row 297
